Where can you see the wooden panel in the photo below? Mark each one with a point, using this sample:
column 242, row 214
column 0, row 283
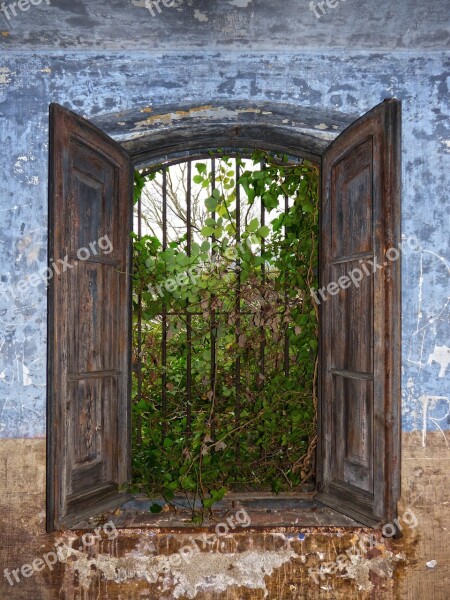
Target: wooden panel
column 351, row 312
column 89, row 320
column 95, row 192
column 353, row 432
column 352, row 217
column 359, row 407
column 93, row 323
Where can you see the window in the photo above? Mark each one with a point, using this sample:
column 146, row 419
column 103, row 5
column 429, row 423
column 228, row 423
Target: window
column 225, row 328
column 89, row 333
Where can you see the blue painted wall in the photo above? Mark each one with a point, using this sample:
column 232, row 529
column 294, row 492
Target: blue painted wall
column 103, row 81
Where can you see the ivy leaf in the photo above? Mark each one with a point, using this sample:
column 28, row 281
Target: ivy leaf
column 197, row 179
column 253, row 225
column 201, row 167
column 211, row 204
column 263, row 231
column 207, row 231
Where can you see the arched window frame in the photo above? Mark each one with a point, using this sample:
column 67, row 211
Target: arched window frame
column 91, row 165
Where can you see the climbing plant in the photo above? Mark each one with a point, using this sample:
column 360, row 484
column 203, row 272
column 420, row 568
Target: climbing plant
column 240, row 312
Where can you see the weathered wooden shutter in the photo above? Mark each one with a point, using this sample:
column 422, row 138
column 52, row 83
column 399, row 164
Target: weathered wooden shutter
column 359, row 420
column 90, row 220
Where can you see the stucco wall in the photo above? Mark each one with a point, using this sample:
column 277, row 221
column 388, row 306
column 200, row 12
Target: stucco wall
column 102, row 57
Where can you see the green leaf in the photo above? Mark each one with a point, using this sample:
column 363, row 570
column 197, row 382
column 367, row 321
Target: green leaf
column 211, row 204
column 197, row 179
column 155, row 508
column 263, row 231
column 207, row 231
column 253, row 225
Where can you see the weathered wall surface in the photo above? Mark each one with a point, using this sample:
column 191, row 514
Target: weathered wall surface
column 93, row 84
column 244, row 566
column 102, row 57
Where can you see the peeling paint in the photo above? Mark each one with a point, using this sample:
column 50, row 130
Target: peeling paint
column 5, row 75
column 240, row 3
column 186, row 577
column 440, row 355
column 202, row 17
column 360, row 568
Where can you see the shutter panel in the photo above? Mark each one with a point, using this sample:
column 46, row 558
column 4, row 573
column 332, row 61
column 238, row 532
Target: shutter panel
column 90, row 197
column 359, row 408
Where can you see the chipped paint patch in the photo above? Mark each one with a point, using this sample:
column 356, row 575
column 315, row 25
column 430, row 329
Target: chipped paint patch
column 359, row 568
column 188, row 576
column 202, row 111
column 240, row 3
column 207, row 111
column 440, row 355
column 202, row 17
column 5, row 75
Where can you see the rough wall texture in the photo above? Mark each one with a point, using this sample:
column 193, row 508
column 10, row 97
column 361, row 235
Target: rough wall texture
column 102, row 57
column 244, row 566
column 95, row 84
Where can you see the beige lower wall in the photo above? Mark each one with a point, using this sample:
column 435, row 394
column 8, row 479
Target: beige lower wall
column 245, row 565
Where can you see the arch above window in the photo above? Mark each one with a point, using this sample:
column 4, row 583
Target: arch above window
column 152, row 134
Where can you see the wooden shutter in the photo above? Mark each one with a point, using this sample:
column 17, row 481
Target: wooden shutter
column 90, row 197
column 359, row 408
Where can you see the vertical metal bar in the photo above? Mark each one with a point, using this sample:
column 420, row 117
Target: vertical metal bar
column 164, row 310
column 188, row 314
column 286, row 300
column 262, row 347
column 238, row 311
column 139, row 336
column 213, row 337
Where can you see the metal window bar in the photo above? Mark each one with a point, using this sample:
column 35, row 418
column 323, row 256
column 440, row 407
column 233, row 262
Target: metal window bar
column 139, row 336
column 238, row 311
column 286, row 301
column 262, row 347
column 165, row 314
column 213, row 336
column 188, row 314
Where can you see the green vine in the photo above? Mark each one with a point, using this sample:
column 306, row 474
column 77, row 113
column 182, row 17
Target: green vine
column 246, row 292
